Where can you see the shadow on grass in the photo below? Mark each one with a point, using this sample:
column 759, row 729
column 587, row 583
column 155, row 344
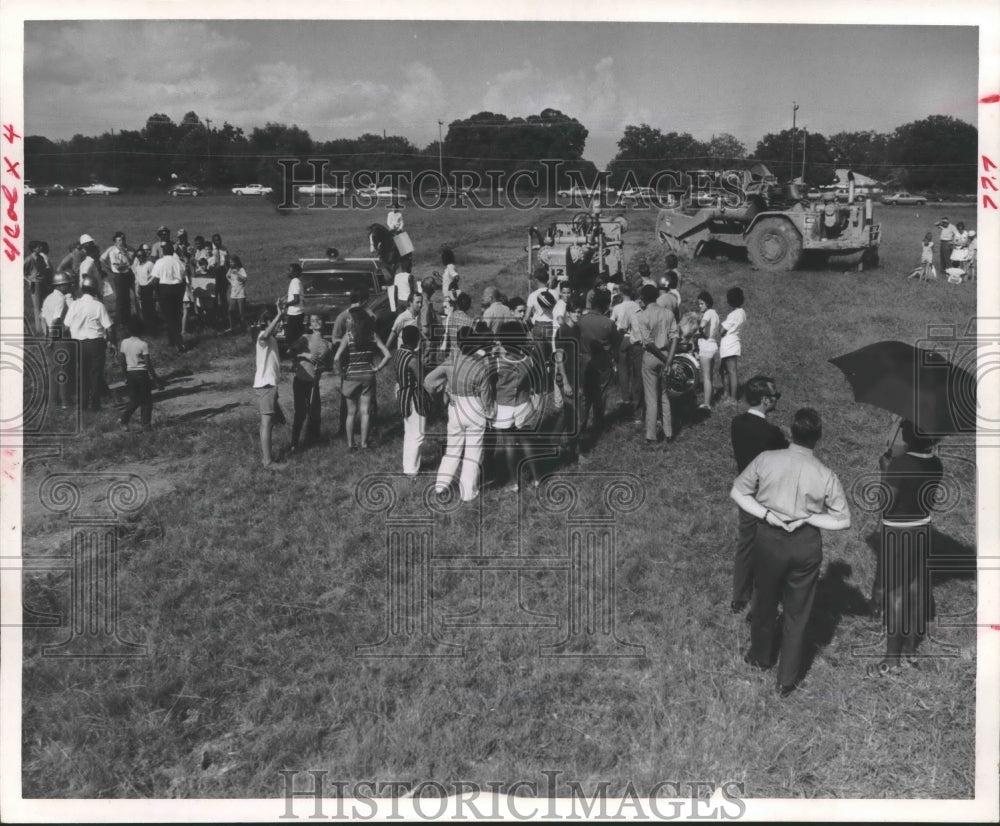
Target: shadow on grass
column 205, row 413
column 835, row 599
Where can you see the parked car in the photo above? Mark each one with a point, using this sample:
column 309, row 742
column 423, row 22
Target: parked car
column 95, row 189
column 579, row 192
column 320, row 189
column 904, row 199
column 382, row 193
column 637, row 195
column 252, row 189
column 179, row 190
column 55, row 190
column 327, row 287
column 29, row 189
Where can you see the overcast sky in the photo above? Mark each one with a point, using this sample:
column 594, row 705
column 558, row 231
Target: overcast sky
column 344, row 78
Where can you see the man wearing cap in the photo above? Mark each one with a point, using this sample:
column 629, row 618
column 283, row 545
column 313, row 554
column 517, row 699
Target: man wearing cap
column 53, row 312
column 38, row 274
column 89, row 324
column 168, row 273
column 946, row 239
column 142, row 271
column 118, row 258
column 163, row 237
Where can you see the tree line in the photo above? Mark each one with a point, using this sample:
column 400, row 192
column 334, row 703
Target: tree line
column 937, row 152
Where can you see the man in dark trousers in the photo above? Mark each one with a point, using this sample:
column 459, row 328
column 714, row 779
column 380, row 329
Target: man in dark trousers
column 752, row 434
column 793, row 495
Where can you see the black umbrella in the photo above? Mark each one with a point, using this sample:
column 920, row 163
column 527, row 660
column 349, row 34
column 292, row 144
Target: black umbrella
column 917, row 384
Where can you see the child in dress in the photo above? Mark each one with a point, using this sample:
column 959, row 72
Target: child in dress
column 730, row 346
column 926, row 271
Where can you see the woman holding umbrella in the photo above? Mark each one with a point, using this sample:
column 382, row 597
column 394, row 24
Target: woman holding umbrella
column 902, row 584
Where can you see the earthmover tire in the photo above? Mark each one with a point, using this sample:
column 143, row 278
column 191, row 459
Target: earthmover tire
column 774, row 245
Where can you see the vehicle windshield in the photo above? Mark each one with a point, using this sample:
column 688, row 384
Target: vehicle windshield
column 340, row 282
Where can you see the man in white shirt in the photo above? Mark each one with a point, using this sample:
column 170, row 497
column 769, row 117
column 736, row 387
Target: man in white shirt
column 265, row 383
column 51, row 316
column 294, row 318
column 88, row 323
column 394, row 219
column 946, row 238
column 118, row 259
column 142, row 271
column 794, row 495
column 403, row 285
column 535, row 311
column 626, row 319
column 169, row 274
column 408, row 318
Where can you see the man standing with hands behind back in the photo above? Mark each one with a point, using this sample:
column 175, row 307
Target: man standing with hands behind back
column 793, row 495
column 752, row 434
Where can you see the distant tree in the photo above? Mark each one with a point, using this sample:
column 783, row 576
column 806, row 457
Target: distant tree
column 725, row 151
column 939, row 152
column 775, row 150
column 865, row 152
column 643, row 152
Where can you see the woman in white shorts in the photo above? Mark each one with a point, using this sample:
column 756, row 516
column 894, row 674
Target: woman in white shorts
column 730, row 347
column 708, row 345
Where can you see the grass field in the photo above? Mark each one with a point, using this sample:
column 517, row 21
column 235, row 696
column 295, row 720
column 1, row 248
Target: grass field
column 252, row 591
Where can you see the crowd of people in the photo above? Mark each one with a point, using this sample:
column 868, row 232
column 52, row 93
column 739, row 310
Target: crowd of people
column 521, row 383
column 958, row 250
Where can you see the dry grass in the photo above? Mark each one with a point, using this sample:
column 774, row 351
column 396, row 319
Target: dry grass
column 253, row 592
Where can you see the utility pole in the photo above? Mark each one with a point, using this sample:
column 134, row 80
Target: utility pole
column 791, row 165
column 208, row 141
column 440, row 151
column 805, row 138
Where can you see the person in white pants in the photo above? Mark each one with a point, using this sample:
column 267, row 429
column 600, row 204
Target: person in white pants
column 471, row 404
column 413, row 401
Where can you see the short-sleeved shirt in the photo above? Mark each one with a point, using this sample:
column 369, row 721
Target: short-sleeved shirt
column 267, row 362
column 948, row 232
column 87, row 318
column 136, row 353
column 496, row 314
column 535, row 310
column 913, row 478
column 657, row 326
column 169, row 270
column 404, row 319
column 318, row 349
column 402, row 283
column 731, row 343
column 55, row 306
column 294, row 289
column 143, row 271
column 237, row 283
column 599, row 338
column 793, row 483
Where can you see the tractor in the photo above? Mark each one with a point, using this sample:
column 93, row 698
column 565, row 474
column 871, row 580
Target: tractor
column 774, row 223
column 584, row 250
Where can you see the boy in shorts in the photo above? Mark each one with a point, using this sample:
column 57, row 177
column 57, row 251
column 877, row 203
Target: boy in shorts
column 265, row 384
